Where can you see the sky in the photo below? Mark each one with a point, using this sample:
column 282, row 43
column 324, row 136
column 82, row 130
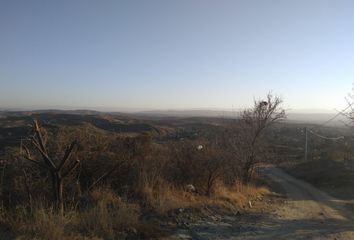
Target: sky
column 185, row 54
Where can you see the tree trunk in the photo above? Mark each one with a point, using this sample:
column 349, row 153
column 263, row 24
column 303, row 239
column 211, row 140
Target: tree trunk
column 60, row 197
column 58, row 192
column 209, row 185
column 247, row 173
column 248, row 168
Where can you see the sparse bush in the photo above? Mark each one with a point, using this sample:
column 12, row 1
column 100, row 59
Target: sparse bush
column 120, row 175
column 199, row 164
column 249, row 132
column 41, row 223
column 109, row 216
column 167, row 197
column 106, row 218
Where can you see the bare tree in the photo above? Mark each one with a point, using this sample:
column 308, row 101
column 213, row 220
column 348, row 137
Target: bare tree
column 348, row 112
column 254, row 121
column 58, row 170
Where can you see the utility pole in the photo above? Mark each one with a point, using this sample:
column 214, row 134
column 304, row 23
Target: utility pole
column 21, row 147
column 305, row 144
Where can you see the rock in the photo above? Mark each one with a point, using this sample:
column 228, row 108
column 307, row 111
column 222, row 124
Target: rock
column 190, row 188
column 238, row 213
column 182, row 236
column 122, row 235
column 133, row 231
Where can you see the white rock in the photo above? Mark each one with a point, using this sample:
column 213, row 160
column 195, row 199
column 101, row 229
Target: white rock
column 190, row 188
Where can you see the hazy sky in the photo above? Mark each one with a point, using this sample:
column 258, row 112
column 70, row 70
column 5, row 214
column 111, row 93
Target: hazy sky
column 175, row 54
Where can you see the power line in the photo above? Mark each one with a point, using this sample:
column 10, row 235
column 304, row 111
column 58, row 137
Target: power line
column 335, row 116
column 324, row 123
column 324, row 137
column 321, row 125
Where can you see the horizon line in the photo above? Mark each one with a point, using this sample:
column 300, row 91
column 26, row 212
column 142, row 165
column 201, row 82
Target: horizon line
column 157, row 110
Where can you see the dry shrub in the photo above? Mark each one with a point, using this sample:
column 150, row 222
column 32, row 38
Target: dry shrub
column 166, row 198
column 41, row 224
column 232, row 195
column 201, row 167
column 109, row 216
column 253, row 191
column 237, row 195
column 144, row 171
column 106, row 218
column 48, row 225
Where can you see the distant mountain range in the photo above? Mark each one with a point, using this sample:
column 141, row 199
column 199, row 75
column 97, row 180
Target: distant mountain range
column 317, row 118
column 190, row 113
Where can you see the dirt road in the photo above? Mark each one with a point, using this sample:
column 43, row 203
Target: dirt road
column 307, row 213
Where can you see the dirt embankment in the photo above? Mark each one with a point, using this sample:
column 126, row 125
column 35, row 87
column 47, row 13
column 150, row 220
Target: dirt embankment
column 307, row 213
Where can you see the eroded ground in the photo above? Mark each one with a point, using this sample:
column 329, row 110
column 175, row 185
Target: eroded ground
column 306, row 213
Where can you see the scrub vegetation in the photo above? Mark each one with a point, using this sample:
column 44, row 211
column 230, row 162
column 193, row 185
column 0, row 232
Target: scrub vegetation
column 104, row 176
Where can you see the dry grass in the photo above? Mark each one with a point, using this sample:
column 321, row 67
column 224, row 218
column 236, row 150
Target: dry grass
column 106, row 219
column 236, row 197
column 168, row 198
column 41, row 224
column 108, row 216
